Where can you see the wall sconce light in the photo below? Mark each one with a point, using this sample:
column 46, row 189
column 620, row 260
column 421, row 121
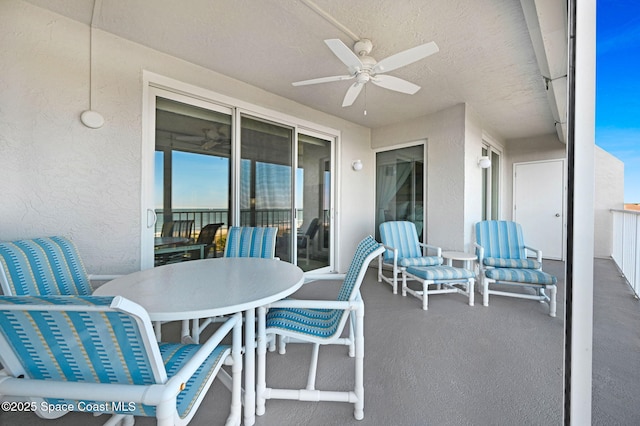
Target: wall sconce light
column 484, row 162
column 356, row 165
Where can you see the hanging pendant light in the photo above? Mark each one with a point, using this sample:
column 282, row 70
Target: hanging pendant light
column 91, row 118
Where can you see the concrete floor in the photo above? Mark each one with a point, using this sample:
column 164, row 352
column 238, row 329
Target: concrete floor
column 451, row 365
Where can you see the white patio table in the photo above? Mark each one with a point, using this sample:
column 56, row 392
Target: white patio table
column 208, row 288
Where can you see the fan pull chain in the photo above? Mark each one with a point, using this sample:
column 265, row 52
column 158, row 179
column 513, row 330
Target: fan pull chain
column 365, row 99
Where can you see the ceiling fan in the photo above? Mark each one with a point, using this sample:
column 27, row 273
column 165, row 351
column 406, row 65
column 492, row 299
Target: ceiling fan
column 365, row 69
column 212, row 137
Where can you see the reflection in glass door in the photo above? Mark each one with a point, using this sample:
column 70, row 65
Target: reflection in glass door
column 313, row 202
column 192, row 179
column 400, row 187
column 266, row 179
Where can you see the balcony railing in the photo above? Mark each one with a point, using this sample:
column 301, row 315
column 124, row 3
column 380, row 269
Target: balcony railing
column 280, row 218
column 626, row 248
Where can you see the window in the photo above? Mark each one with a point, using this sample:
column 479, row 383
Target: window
column 491, row 185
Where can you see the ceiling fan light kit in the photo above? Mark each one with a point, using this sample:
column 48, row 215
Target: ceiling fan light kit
column 365, row 69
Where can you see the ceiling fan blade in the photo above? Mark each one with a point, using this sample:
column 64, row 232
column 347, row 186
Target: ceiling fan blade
column 406, row 57
column 352, row 94
column 323, row 80
column 394, row 83
column 345, row 54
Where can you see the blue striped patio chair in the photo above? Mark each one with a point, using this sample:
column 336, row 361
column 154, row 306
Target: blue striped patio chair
column 251, row 242
column 99, row 354
column 42, row 266
column 403, row 249
column 502, row 259
column 320, row 322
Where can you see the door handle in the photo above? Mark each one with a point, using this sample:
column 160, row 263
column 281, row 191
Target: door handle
column 151, row 218
column 557, row 214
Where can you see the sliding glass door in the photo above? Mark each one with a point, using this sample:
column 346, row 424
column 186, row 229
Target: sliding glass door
column 192, row 174
column 313, row 202
column 266, row 179
column 400, row 192
column 211, row 164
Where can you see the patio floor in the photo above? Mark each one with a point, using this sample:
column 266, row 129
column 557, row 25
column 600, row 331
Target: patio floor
column 453, row 364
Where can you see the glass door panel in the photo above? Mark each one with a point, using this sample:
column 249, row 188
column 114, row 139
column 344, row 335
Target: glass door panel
column 192, row 177
column 266, row 179
column 313, row 202
column 400, row 187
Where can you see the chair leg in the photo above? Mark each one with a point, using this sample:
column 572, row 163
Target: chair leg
column 552, row 300
column 359, row 372
column 261, row 350
column 485, row 291
column 470, row 290
column 313, row 367
column 425, row 294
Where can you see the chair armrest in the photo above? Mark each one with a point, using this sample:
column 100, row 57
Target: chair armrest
column 329, row 276
column 537, row 252
column 190, row 367
column 393, row 250
column 431, row 247
column 317, row 304
column 95, row 277
column 479, row 253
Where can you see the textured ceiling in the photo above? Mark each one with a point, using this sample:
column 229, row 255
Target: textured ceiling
column 486, row 57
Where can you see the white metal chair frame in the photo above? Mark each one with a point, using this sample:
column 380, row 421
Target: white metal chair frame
column 355, row 342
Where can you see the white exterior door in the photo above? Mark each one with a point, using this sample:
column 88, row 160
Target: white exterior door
column 538, row 194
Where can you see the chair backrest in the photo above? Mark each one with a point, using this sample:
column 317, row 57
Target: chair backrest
column 251, row 242
column 367, row 250
column 167, row 229
column 313, row 227
column 401, row 235
column 208, row 233
column 89, row 339
column 42, row 266
column 183, row 228
column 501, row 239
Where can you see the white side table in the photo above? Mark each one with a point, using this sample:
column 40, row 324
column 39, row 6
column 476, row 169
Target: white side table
column 467, row 259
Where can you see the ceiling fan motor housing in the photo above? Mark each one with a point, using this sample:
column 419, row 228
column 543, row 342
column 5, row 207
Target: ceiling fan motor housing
column 363, row 47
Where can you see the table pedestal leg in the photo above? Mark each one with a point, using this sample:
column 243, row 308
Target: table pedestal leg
column 249, row 367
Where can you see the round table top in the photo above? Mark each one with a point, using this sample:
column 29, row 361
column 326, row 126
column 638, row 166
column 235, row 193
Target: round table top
column 458, row 255
column 206, row 288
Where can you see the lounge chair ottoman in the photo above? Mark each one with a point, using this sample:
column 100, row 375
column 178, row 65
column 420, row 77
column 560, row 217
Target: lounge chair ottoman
column 448, row 279
column 540, row 281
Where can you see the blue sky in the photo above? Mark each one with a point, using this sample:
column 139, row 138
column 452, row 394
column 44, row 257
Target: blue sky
column 618, row 87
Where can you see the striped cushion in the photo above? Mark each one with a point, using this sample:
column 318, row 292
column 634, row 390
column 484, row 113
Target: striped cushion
column 529, row 276
column 440, row 273
column 327, row 323
column 175, row 356
column 353, row 278
column 401, row 235
column 99, row 346
column 501, row 239
column 420, row 261
column 42, row 266
column 79, row 346
column 322, row 323
column 251, row 242
column 512, row 263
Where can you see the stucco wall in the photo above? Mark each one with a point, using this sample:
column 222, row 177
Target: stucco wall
column 444, row 132
column 609, row 194
column 63, row 178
